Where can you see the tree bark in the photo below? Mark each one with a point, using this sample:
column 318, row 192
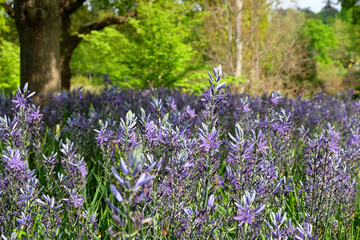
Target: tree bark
column 38, row 25
column 65, row 68
column 45, row 58
column 238, row 41
column 230, row 36
column 67, row 46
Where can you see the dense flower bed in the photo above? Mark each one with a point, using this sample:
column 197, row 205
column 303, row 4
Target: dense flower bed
column 161, row 164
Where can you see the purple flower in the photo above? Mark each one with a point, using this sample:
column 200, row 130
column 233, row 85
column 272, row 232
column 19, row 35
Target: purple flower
column 74, row 199
column 143, row 180
column 81, row 165
column 189, row 212
column 334, row 147
column 24, row 219
column 209, row 141
column 13, row 159
column 12, row 237
column 103, row 135
column 91, row 219
column 172, row 104
column 246, row 108
column 355, row 137
column 35, row 114
column 211, row 201
column 123, row 166
column 190, row 112
column 246, row 216
column 106, row 79
column 277, row 228
column 51, row 159
column 117, row 210
column 247, row 212
column 20, row 100
column 304, row 232
column 275, row 96
column 262, row 145
column 116, row 193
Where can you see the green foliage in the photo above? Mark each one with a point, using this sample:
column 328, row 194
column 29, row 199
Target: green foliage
column 194, row 82
column 347, row 33
column 101, row 52
column 345, row 15
column 9, row 55
column 347, row 43
column 321, row 37
column 9, row 65
column 342, row 30
column 354, row 7
column 153, row 51
column 3, row 25
column 162, row 55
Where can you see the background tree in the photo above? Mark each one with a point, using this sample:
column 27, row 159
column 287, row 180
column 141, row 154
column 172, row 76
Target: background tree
column 354, row 7
column 328, row 13
column 164, row 57
column 155, row 49
column 72, row 33
column 348, row 51
column 256, row 23
column 99, row 53
column 38, row 26
column 48, row 38
column 172, row 43
column 321, row 37
column 238, row 37
column 284, row 61
column 273, row 55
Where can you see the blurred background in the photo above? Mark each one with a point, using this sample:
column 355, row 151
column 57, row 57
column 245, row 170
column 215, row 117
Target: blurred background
column 297, row 47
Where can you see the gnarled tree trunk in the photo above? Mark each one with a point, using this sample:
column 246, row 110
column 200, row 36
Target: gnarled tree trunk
column 38, row 25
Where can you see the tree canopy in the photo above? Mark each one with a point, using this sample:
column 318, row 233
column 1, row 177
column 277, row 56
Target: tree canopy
column 354, row 7
column 163, row 43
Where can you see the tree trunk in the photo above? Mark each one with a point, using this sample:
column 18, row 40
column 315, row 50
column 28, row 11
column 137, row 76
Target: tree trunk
column 38, row 25
column 65, row 72
column 67, row 49
column 68, row 44
column 238, row 42
column 230, row 59
column 255, row 75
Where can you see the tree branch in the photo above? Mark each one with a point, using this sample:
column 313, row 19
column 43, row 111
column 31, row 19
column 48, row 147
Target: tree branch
column 9, row 9
column 99, row 25
column 73, row 6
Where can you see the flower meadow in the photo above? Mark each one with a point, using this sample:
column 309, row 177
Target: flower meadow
column 162, row 164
